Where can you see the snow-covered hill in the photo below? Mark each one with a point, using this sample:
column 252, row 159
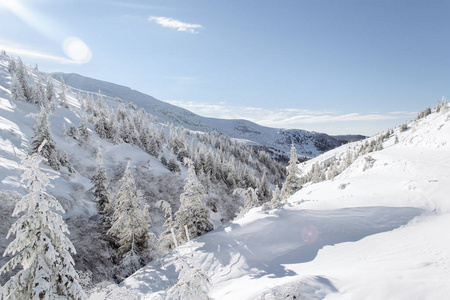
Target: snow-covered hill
column 379, row 230
column 159, row 174
column 309, row 144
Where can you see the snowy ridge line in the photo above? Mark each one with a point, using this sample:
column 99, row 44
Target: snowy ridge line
column 277, row 141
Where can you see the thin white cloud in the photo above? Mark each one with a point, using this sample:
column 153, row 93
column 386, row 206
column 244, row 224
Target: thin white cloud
column 411, row 113
column 24, row 51
column 288, row 117
column 175, row 24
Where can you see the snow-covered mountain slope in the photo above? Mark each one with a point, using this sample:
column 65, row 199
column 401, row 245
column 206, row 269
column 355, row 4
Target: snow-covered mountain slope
column 377, row 231
column 70, row 188
column 158, row 171
column 309, row 144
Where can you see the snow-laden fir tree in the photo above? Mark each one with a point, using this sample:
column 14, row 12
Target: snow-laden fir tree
column 192, row 211
column 101, row 190
column 12, row 65
column 41, row 133
column 165, row 238
column 130, row 225
column 250, row 196
column 19, row 84
column 41, row 248
column 17, row 89
column 20, row 89
column 172, row 165
column 193, row 283
column 62, row 94
column 50, row 90
column 83, row 132
column 50, row 95
column 276, row 201
column 263, row 187
column 442, row 105
column 292, row 183
column 38, row 90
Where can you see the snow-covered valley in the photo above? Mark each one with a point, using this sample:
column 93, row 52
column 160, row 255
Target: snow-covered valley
column 371, row 233
column 370, row 221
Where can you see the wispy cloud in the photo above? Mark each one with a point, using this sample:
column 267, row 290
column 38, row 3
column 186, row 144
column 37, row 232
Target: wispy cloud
column 23, row 51
column 175, row 24
column 411, row 113
column 290, row 117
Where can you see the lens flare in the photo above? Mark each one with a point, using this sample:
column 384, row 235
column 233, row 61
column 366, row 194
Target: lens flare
column 77, row 50
column 310, row 234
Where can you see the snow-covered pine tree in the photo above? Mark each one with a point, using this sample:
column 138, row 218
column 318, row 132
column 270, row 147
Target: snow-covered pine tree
column 441, row 105
column 250, row 199
column 172, row 165
column 50, row 90
column 62, row 94
column 101, row 125
column 154, row 144
column 50, row 95
column 83, row 132
column 263, row 187
column 193, row 283
column 12, row 66
column 19, row 86
column 43, row 250
column 292, row 183
column 130, row 225
column 229, row 181
column 38, row 90
column 276, row 201
column 192, row 211
column 165, row 239
column 101, row 190
column 41, row 133
column 17, row 89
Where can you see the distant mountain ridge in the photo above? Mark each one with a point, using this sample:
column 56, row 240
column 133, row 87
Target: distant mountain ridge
column 277, row 141
column 349, row 138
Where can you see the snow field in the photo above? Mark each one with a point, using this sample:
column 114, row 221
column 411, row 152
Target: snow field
column 381, row 236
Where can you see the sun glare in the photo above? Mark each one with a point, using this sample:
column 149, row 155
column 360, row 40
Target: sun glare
column 77, row 50
column 12, row 5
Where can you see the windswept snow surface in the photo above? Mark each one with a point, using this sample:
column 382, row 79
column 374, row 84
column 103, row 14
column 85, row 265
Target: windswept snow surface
column 378, row 233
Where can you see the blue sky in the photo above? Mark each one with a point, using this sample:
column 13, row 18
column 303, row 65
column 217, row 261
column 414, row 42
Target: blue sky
column 331, row 66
